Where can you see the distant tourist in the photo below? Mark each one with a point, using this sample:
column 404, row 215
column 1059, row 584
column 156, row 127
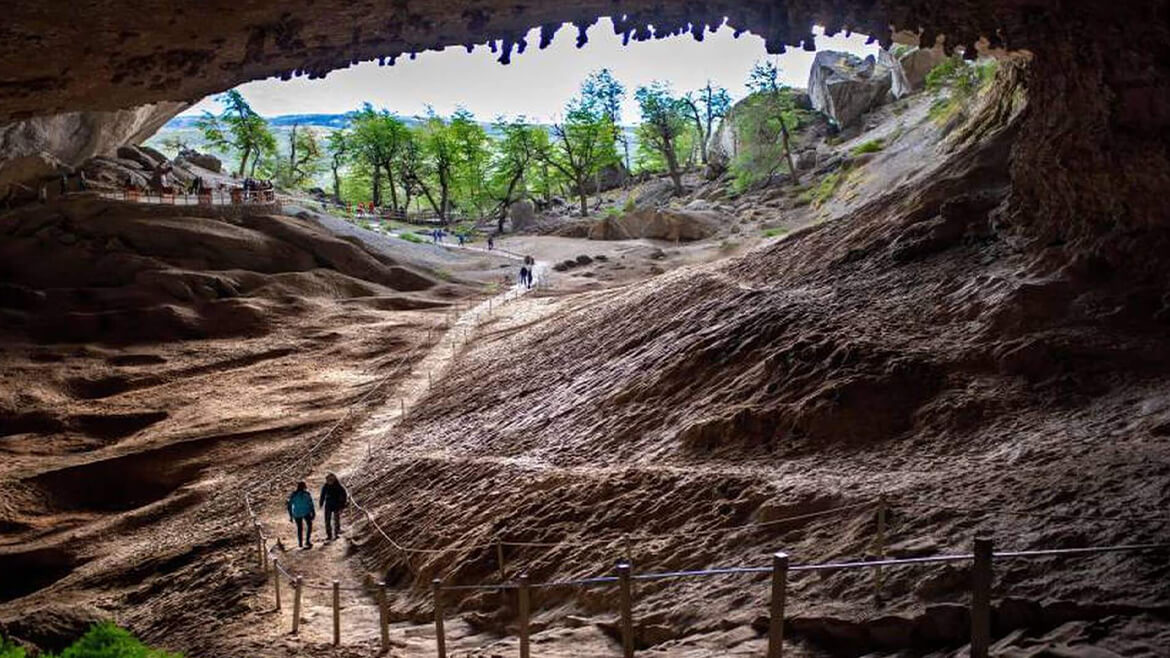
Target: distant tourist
column 334, row 498
column 491, row 242
column 301, row 512
column 460, row 236
column 524, row 274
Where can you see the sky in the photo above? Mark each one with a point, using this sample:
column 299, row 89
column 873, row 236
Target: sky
column 537, row 83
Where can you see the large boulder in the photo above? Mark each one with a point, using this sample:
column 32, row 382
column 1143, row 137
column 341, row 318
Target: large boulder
column 653, row 193
column 202, row 160
column 112, row 173
column 610, row 177
column 725, row 141
column 522, row 213
column 148, row 162
column 659, row 224
column 22, row 176
column 918, row 62
column 844, row 87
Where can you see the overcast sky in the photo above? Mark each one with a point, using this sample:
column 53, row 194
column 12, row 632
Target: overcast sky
column 537, row 83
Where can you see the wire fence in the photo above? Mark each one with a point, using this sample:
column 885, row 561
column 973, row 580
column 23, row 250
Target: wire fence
column 982, row 556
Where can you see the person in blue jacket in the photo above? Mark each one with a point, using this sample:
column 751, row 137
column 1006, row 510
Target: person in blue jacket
column 301, row 511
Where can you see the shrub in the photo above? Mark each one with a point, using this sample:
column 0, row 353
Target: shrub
column 411, row 237
column 612, row 213
column 106, row 640
column 629, row 206
column 872, row 146
column 775, row 232
column 824, row 190
column 10, row 650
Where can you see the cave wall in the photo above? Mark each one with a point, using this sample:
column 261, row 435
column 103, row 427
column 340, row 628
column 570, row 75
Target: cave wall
column 1089, row 170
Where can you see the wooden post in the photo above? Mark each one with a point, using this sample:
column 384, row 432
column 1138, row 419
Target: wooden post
column 259, row 543
column 779, row 598
column 981, row 575
column 336, row 614
column 383, row 617
column 500, row 559
column 524, row 612
column 276, row 582
column 627, row 615
column 298, row 588
column 440, row 638
column 880, row 546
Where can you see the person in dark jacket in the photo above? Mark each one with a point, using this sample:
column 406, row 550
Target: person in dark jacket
column 333, row 498
column 301, row 512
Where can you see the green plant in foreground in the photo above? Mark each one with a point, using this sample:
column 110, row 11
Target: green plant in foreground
column 104, row 640
column 872, row 146
column 10, row 650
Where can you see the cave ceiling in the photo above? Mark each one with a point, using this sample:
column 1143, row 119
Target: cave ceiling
column 105, row 54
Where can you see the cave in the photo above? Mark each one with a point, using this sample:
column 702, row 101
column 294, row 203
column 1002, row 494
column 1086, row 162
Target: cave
column 1080, row 204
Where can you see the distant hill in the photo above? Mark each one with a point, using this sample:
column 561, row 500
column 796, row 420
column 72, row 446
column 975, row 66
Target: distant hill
column 333, row 121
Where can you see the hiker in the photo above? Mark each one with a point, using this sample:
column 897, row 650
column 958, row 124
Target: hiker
column 461, row 237
column 491, row 242
column 333, row 498
column 301, row 512
column 524, row 274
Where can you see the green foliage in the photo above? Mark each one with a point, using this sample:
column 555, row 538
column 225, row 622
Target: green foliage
column 104, row 640
column 872, row 146
column 10, row 650
column 630, row 205
column 581, row 146
column 411, row 237
column 955, row 82
column 766, row 122
column 238, row 129
column 612, row 212
column 775, row 232
column 664, row 122
column 900, row 50
column 173, row 145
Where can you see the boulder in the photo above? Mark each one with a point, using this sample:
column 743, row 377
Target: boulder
column 522, row 212
column 609, row 178
column 918, row 62
column 659, row 224
column 203, row 160
column 653, row 194
column 143, row 158
column 844, row 87
column 108, row 172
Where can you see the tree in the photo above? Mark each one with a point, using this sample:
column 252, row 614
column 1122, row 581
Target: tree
column 664, row 120
column 238, row 128
column 471, row 161
column 338, row 146
column 705, row 106
column 376, row 138
column 774, row 104
column 516, row 153
column 433, row 163
column 582, row 144
column 174, row 144
column 602, row 94
column 302, row 161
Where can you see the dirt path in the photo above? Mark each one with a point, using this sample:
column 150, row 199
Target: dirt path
column 327, row 561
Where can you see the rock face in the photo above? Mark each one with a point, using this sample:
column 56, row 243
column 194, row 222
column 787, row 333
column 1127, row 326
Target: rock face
column 74, row 137
column 660, row 224
column 844, row 86
column 918, row 62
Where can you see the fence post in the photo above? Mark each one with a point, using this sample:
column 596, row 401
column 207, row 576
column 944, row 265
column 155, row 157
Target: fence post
column 627, row 615
column 276, row 582
column 880, row 542
column 298, row 587
column 524, row 612
column 336, row 614
column 779, row 598
column 981, row 599
column 383, row 616
column 440, row 638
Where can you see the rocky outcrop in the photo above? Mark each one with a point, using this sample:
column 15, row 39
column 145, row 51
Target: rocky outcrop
column 522, row 213
column 844, row 87
column 918, row 62
column 74, row 137
column 659, row 224
column 68, row 140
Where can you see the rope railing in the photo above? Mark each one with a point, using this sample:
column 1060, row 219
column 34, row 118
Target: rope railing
column 225, row 197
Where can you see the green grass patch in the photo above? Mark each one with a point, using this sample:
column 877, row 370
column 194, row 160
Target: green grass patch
column 412, row 237
column 824, row 190
column 775, row 232
column 872, row 146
